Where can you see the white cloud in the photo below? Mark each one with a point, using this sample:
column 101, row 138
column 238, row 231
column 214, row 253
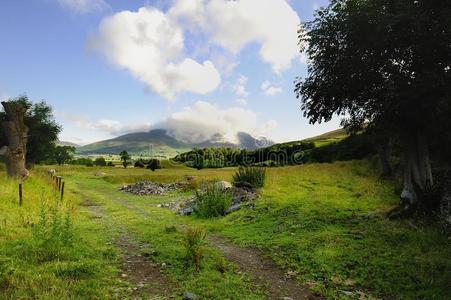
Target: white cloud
column 270, row 89
column 111, row 127
column 204, row 120
column 241, row 101
column 84, row 6
column 273, row 24
column 150, row 45
column 239, row 88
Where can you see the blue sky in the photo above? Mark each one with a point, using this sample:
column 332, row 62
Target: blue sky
column 193, row 71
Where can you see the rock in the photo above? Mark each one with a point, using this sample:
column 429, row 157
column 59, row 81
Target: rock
column 151, row 188
column 287, row 298
column 189, row 296
column 233, row 208
column 186, row 211
column 347, row 293
column 223, row 184
column 100, row 174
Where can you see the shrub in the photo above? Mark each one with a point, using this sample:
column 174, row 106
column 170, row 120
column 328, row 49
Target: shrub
column 154, row 164
column 100, row 162
column 110, row 164
column 194, row 241
column 212, row 201
column 139, row 163
column 252, row 177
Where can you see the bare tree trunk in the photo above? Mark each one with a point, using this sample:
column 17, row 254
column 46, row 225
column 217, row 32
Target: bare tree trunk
column 16, row 134
column 417, row 170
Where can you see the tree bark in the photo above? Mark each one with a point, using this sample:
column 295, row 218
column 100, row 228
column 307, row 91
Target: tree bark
column 16, row 135
column 417, row 169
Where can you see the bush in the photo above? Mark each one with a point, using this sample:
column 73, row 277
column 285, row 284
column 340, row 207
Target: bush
column 110, row 164
column 251, row 177
column 194, row 241
column 139, row 163
column 212, row 201
column 154, row 164
column 100, row 162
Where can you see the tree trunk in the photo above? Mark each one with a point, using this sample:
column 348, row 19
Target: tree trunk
column 417, row 170
column 16, row 135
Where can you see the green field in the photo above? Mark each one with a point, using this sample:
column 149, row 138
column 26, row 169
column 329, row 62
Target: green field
column 324, row 223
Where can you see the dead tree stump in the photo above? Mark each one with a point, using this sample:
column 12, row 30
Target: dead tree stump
column 16, row 135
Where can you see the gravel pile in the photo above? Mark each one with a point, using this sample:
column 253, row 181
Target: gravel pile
column 151, row 188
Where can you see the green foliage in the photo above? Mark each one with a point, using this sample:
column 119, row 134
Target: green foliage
column 279, row 154
column 154, row 164
column 82, row 161
column 55, row 228
column 251, row 177
column 43, row 129
column 212, row 201
column 100, row 162
column 125, row 158
column 194, row 242
column 62, row 154
column 140, row 163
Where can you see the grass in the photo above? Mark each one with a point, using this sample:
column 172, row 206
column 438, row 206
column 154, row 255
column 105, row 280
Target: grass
column 212, row 201
column 324, row 222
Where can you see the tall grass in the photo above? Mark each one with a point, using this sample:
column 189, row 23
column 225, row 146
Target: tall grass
column 212, row 201
column 251, row 177
column 194, row 241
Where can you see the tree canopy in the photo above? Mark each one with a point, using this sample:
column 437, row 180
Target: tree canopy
column 43, row 129
column 382, row 64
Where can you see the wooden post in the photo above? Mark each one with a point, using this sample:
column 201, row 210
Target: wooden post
column 62, row 191
column 20, row 194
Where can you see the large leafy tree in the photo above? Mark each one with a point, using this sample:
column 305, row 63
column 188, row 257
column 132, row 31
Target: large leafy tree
column 42, row 129
column 385, row 66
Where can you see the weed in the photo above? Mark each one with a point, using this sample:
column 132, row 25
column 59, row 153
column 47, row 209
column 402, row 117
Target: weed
column 194, row 241
column 54, row 227
column 251, row 177
column 212, row 201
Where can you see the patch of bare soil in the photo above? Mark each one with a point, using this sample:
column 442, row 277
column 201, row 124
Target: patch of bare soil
column 265, row 273
column 145, row 277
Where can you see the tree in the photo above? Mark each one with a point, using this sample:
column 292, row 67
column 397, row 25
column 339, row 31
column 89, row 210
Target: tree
column 383, row 65
column 125, row 157
column 15, row 132
column 42, row 129
column 100, row 162
column 63, row 154
column 154, row 164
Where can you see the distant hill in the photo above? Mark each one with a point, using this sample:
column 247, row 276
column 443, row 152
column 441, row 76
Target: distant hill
column 328, row 137
column 159, row 142
column 64, row 143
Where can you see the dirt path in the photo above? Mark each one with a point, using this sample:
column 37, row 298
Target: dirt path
column 265, row 273
column 145, row 278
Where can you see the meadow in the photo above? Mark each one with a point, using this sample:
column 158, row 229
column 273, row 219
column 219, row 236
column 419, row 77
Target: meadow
column 323, row 224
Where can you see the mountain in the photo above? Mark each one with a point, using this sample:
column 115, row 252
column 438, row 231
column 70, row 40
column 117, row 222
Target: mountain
column 159, row 142
column 64, row 143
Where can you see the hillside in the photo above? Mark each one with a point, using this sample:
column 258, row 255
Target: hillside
column 159, row 142
column 64, row 143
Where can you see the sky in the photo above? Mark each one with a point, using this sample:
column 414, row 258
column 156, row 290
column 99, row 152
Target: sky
column 193, row 67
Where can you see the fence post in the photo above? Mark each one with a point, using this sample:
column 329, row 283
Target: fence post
column 62, row 191
column 20, row 194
